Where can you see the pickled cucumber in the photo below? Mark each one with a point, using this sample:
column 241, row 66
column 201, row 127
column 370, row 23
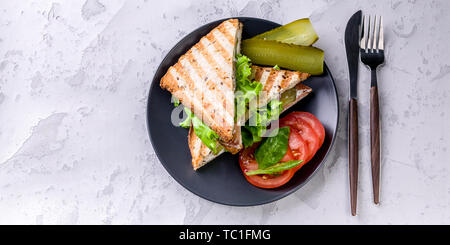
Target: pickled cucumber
column 288, row 96
column 294, row 57
column 300, row 32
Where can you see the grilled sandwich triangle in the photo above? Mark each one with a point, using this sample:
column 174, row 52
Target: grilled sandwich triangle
column 203, row 80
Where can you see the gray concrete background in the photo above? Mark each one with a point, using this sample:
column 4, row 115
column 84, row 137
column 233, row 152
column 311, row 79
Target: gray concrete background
column 74, row 78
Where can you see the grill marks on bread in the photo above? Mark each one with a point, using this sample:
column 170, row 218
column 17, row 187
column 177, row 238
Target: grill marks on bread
column 276, row 81
column 202, row 79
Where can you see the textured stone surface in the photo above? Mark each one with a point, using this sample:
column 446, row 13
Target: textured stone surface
column 74, row 78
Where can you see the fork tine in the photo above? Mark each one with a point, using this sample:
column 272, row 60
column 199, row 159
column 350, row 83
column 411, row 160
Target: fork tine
column 370, row 34
column 381, row 34
column 375, row 40
column 363, row 43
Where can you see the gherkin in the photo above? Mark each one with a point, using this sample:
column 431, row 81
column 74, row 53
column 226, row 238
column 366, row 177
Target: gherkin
column 294, row 57
column 299, row 32
column 288, row 96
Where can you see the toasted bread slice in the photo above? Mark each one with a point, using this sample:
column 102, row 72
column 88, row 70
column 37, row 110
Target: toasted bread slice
column 200, row 153
column 271, row 82
column 275, row 82
column 203, row 80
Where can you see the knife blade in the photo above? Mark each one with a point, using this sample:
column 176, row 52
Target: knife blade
column 352, row 49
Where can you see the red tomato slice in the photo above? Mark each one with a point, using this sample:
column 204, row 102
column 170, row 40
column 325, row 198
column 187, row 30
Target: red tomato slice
column 306, row 132
column 309, row 136
column 306, row 135
column 295, row 139
column 298, row 146
column 288, row 156
column 313, row 122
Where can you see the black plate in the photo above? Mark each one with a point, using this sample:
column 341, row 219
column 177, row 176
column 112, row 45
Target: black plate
column 221, row 180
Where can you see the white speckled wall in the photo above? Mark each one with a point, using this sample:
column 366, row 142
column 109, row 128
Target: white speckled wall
column 74, row 149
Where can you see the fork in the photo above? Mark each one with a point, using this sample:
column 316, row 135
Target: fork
column 372, row 55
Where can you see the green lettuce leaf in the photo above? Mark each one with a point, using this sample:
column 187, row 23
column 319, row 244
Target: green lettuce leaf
column 256, row 126
column 206, row 135
column 277, row 168
column 246, row 90
column 247, row 137
column 175, row 101
column 272, row 149
column 187, row 122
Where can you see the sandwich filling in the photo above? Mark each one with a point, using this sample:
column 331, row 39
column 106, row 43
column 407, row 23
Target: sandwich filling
column 246, row 90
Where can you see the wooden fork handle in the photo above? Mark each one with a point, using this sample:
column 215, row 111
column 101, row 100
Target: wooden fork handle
column 375, row 142
column 353, row 153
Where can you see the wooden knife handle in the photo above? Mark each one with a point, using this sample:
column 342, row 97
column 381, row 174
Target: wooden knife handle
column 375, row 142
column 353, row 153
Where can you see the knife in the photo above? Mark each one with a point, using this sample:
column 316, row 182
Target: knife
column 352, row 49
